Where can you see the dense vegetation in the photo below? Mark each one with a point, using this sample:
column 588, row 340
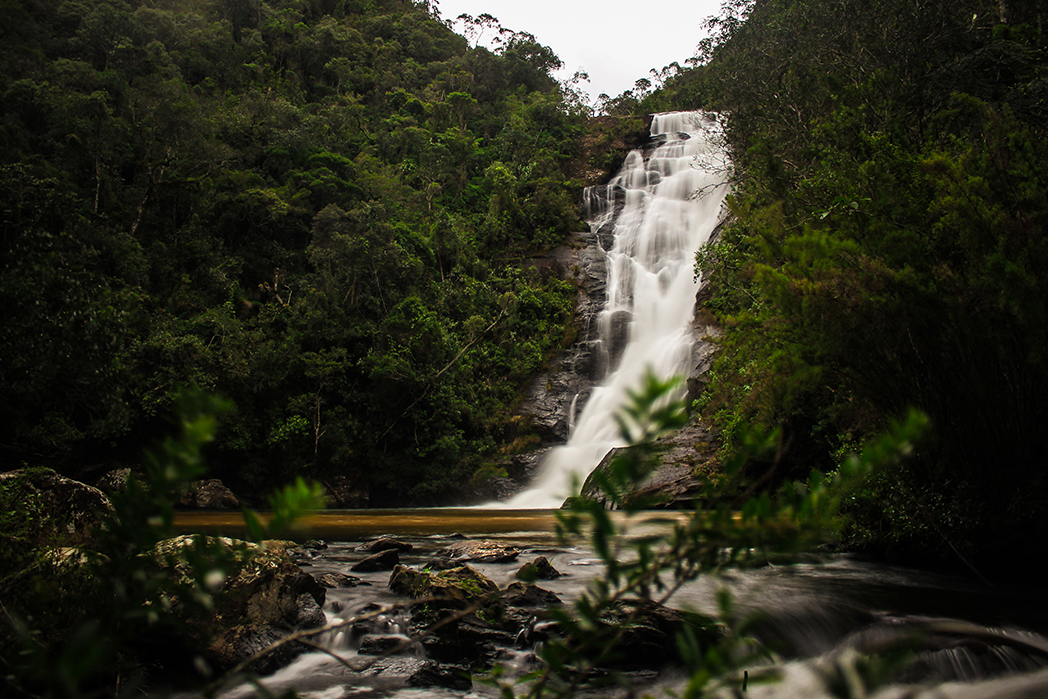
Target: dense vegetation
column 321, row 210
column 887, row 250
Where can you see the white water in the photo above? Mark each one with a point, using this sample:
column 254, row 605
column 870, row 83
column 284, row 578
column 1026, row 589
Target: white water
column 672, row 205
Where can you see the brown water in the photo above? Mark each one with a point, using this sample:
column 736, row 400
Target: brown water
column 357, row 525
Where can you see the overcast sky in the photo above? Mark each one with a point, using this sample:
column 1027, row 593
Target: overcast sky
column 615, row 42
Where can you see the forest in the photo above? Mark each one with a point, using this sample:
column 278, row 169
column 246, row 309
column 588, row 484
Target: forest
column 887, row 251
column 310, row 228
column 322, row 211
column 326, row 213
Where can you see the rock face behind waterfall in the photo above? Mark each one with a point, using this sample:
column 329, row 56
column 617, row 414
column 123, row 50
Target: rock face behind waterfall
column 566, row 384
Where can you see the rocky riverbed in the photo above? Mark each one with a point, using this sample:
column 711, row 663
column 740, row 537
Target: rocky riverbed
column 819, row 620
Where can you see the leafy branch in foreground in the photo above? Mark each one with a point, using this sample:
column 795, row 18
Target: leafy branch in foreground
column 644, row 572
column 127, row 589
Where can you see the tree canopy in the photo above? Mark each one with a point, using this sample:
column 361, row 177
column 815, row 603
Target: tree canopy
column 886, row 250
column 321, row 210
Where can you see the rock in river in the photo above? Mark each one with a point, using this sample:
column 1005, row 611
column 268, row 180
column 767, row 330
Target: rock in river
column 480, row 551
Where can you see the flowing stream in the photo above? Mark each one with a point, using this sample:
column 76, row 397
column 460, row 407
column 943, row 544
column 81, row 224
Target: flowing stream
column 817, row 614
column 664, row 206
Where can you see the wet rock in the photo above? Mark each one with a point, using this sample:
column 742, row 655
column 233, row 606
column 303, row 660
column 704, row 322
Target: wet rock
column 503, row 489
column 69, row 512
column 649, row 633
column 375, row 644
column 397, row 672
column 458, row 587
column 433, row 674
column 210, row 494
column 462, row 643
column 675, row 474
column 384, row 543
column 308, row 614
column 339, row 580
column 437, row 564
column 539, row 569
column 525, row 595
column 618, row 336
column 383, row 560
column 263, row 598
column 479, row 550
column 554, row 394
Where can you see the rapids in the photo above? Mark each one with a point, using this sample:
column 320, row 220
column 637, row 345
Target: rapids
column 816, row 615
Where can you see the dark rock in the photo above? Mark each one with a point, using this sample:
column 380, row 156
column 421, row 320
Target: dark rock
column 374, row 644
column 676, row 473
column 479, row 550
column 209, row 494
column 384, row 543
column 564, row 387
column 503, row 489
column 114, row 481
column 458, row 587
column 433, row 674
column 314, row 545
column 539, row 569
column 617, row 335
column 339, row 580
column 69, row 512
column 264, row 597
column 525, row 595
column 308, row 615
column 383, row 560
column 649, row 633
column 460, row 643
column 440, row 564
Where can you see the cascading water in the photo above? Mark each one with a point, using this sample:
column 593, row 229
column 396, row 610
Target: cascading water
column 671, row 203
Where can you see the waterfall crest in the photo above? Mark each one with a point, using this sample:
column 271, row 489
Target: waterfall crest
column 664, row 207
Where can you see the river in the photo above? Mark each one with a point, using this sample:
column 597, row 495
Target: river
column 816, row 611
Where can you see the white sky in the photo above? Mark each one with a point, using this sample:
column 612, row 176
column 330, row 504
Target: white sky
column 615, row 42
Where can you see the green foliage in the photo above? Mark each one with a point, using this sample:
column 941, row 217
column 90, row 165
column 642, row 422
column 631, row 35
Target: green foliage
column 885, row 251
column 249, row 199
column 83, row 621
column 741, row 524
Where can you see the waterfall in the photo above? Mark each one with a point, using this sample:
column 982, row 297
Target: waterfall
column 667, row 206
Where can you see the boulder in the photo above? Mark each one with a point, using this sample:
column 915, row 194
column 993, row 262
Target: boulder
column 384, row 644
column 66, row 512
column 262, row 598
column 385, row 543
column 649, row 633
column 479, row 550
column 433, row 674
column 526, row 595
column 114, row 481
column 209, row 494
column 458, row 587
column 675, row 475
column 539, row 569
column 383, row 560
column 339, row 580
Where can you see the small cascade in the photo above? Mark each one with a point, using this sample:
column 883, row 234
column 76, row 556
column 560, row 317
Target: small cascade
column 664, row 207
